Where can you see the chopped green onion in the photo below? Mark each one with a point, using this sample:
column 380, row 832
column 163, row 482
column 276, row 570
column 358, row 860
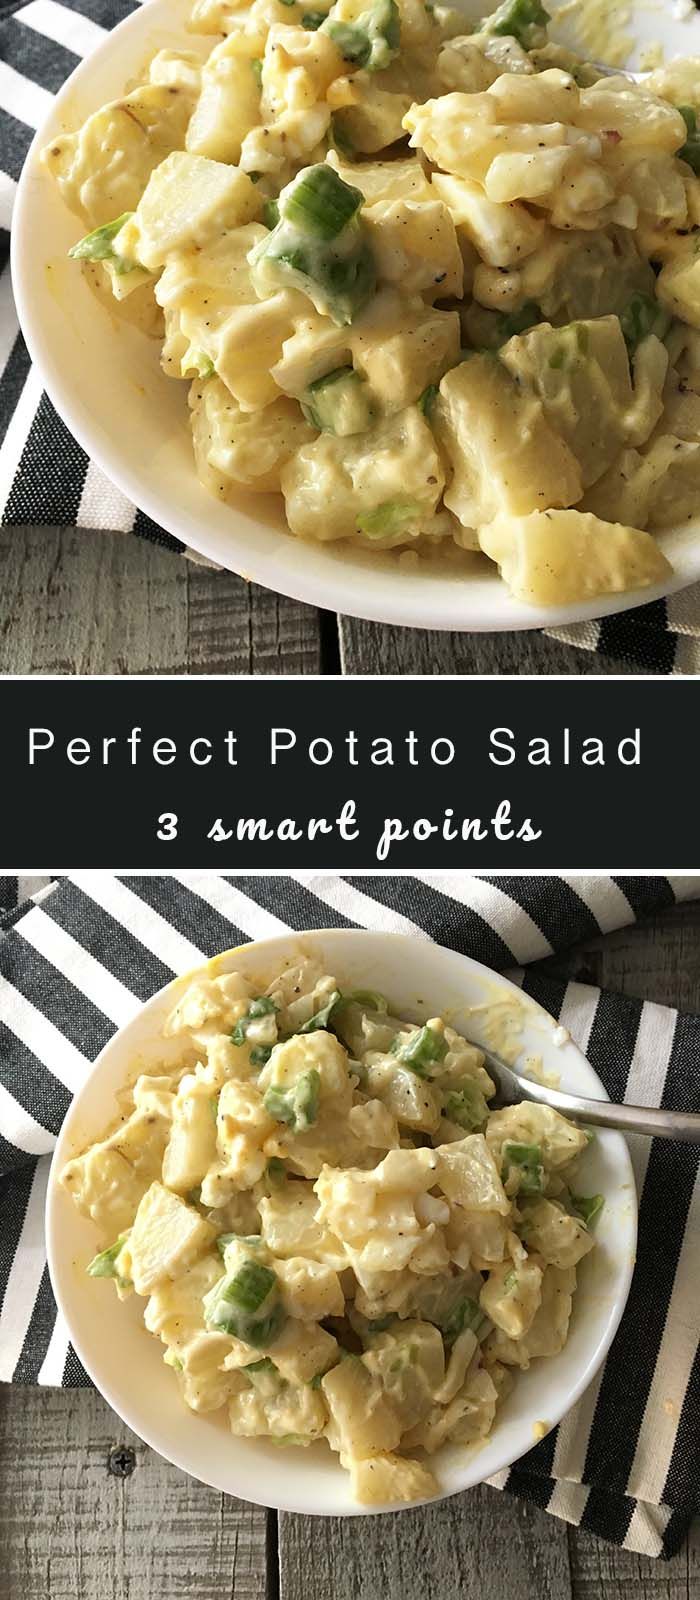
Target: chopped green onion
column 214, row 1107
column 321, row 1018
column 260, row 1055
column 311, row 20
column 253, row 1240
column 588, row 1207
column 262, row 1007
column 271, row 214
column 643, row 315
column 427, row 399
column 320, row 203
column 512, row 322
column 202, row 364
column 256, row 68
column 339, row 136
column 388, row 518
column 424, row 1048
column 690, row 151
column 466, row 1105
column 528, row 1159
column 466, row 1313
column 97, row 246
column 372, row 40
column 524, row 20
column 276, row 1170
column 298, row 1105
column 103, row 1265
column 247, row 1306
column 353, row 44
column 370, row 998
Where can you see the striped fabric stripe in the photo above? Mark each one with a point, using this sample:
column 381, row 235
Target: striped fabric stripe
column 48, row 478
column 75, row 965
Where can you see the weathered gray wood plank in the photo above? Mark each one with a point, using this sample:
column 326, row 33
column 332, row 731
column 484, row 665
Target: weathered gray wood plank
column 71, row 1530
column 368, row 647
column 478, row 1546
column 658, row 959
column 77, row 601
column 600, row 1571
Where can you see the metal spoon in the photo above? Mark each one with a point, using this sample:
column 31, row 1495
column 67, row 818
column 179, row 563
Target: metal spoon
column 684, row 1125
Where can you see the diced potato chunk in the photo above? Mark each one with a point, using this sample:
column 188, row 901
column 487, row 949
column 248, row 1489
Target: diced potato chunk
column 400, row 348
column 415, row 247
column 504, row 235
column 329, row 483
column 166, row 1238
column 678, row 283
column 512, row 1294
column 561, row 1240
column 191, row 1148
column 236, row 448
column 363, row 1420
column 413, row 1101
column 102, row 170
column 469, row 1176
column 188, row 201
column 559, row 1140
column 384, row 181
column 105, row 1187
column 310, row 1289
column 504, row 456
column 554, row 557
column 228, row 105
column 388, row 1479
column 549, row 1328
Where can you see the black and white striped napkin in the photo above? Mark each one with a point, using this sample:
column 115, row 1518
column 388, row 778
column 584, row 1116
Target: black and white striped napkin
column 75, row 964
column 46, row 479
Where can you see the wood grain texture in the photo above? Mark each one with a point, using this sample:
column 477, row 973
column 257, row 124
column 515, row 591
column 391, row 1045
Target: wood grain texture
column 478, row 1546
column 71, row 1530
column 77, row 601
column 600, row 1571
column 368, row 647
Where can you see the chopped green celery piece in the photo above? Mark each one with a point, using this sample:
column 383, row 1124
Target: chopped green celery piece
column 318, row 245
column 262, row 1007
column 264, row 1367
column 369, row 998
column 271, row 214
column 690, row 151
column 253, row 1240
column 319, row 202
column 466, row 1105
column 466, row 1313
column 311, row 20
column 103, row 1265
column 388, row 518
column 512, row 322
column 427, row 399
column 643, row 315
column 528, row 1159
column 372, row 40
column 424, row 1048
column 97, row 246
column 321, row 1018
column 588, row 1207
column 256, row 68
column 338, row 403
column 298, row 1105
column 510, row 1280
column 260, row 1055
column 276, row 1170
column 202, row 364
column 247, row 1306
column 524, row 20
column 340, row 138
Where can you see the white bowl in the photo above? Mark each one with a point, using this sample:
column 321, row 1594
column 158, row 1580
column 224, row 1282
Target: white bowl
column 105, row 381
column 125, row 1362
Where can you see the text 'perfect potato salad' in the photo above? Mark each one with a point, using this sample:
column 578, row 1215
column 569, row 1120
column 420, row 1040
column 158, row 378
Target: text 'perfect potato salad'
column 334, row 1236
column 439, row 288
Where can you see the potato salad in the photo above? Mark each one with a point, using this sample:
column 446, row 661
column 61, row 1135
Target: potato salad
column 440, row 288
column 334, row 1235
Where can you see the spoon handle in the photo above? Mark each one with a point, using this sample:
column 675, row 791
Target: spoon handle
column 684, row 1125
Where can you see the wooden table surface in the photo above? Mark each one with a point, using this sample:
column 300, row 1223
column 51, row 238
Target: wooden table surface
column 78, row 601
column 72, row 1528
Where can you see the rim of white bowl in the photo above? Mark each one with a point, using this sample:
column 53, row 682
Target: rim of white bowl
column 306, row 573
column 248, row 1486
